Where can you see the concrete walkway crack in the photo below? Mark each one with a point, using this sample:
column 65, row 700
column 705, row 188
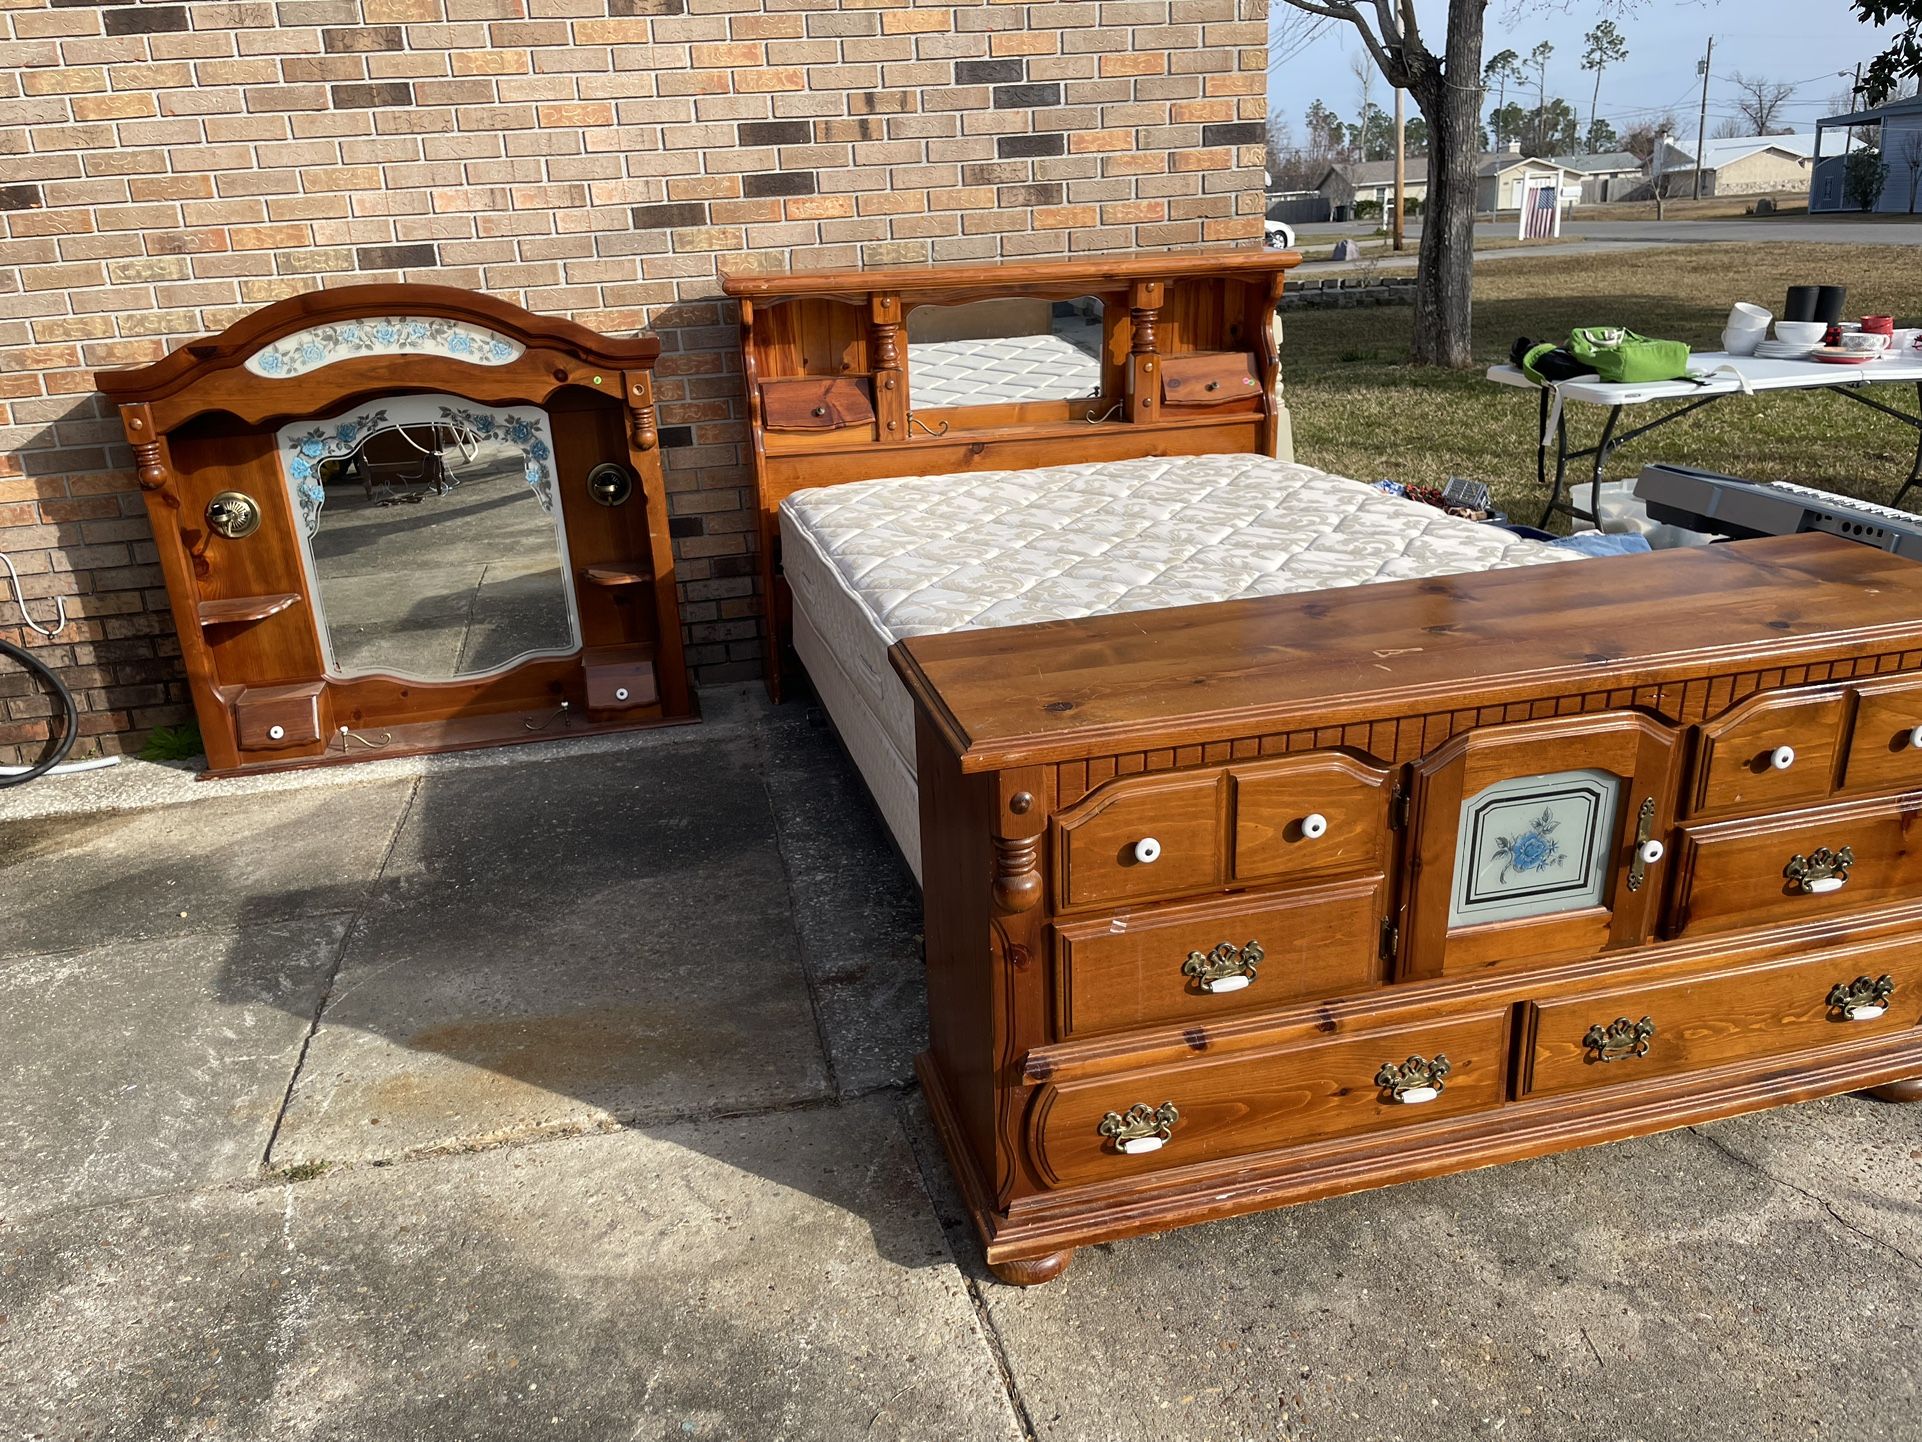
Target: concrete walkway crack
column 800, row 941
column 333, row 972
column 1881, row 1243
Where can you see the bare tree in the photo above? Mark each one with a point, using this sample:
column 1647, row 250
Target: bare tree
column 1759, row 102
column 1910, row 154
column 1447, row 90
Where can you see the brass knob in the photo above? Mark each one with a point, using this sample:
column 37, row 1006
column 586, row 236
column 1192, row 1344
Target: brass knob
column 234, row 514
column 1141, row 1129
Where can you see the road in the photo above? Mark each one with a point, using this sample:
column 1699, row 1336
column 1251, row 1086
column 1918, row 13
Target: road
column 1592, row 237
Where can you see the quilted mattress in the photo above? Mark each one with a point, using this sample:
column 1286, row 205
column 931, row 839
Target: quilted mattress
column 871, row 562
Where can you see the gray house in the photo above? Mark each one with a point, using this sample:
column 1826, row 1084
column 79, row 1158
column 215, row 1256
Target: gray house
column 1614, row 176
column 1900, row 140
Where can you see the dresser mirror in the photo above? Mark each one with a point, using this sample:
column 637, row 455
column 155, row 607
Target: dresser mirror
column 431, row 536
column 995, row 352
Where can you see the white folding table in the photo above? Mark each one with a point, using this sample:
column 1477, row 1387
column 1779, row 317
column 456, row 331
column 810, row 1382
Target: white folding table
column 1713, row 375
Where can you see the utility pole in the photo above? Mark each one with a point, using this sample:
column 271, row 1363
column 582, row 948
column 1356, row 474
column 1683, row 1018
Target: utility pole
column 1701, row 128
column 1401, row 171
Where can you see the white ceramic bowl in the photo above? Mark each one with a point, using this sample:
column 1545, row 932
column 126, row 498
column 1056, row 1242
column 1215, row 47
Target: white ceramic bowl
column 1801, row 332
column 1748, row 317
column 1741, row 342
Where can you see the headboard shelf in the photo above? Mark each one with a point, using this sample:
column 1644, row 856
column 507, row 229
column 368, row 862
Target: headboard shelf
column 832, row 388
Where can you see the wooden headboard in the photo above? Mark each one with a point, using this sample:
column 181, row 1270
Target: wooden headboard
column 1188, row 364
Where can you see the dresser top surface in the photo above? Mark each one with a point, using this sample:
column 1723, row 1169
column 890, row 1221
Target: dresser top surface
column 1019, row 695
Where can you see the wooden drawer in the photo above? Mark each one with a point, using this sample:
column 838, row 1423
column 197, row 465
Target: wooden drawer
column 1261, row 1101
column 1164, row 966
column 1201, row 380
column 1309, row 815
column 276, row 718
column 1883, row 755
column 1734, row 874
column 816, row 403
column 619, row 678
column 1774, row 1010
column 1141, row 837
column 1777, row 749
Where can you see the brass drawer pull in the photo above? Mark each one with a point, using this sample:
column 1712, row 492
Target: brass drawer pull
column 1863, row 999
column 1415, row 1080
column 1821, row 870
column 1620, row 1039
column 1227, row 968
column 1142, row 1129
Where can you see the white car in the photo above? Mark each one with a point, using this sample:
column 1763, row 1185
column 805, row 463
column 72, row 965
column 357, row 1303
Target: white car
column 1279, row 235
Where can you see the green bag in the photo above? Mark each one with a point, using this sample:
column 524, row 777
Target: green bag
column 1622, row 355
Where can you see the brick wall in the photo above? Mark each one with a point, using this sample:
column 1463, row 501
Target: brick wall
column 167, row 167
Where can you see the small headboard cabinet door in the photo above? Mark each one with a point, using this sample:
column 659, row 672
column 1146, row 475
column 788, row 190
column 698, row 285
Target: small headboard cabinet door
column 1538, row 841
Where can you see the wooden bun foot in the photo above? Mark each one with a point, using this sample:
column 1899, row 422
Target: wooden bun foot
column 1033, row 1271
column 1901, row 1091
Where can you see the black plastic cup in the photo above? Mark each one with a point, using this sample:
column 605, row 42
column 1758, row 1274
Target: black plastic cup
column 1829, row 301
column 1802, row 302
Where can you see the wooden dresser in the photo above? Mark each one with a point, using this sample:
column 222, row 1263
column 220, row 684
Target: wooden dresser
column 1241, row 905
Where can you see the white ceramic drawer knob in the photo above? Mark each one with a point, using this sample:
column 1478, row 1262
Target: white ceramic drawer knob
column 1147, row 851
column 1915, row 737
column 1314, row 826
column 276, row 733
column 620, row 693
column 1782, row 757
column 1652, row 852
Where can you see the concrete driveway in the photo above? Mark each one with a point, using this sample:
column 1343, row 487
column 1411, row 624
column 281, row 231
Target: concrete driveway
column 564, row 1092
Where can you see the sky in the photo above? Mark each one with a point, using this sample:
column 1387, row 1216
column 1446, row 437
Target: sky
column 1806, row 42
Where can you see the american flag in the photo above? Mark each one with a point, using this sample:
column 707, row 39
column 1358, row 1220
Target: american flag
column 1538, row 213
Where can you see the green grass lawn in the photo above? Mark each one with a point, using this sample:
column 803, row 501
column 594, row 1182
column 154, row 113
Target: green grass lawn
column 1361, row 410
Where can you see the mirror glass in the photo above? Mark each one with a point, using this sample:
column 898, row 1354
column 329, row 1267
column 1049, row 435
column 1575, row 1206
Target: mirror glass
column 993, row 352
column 432, row 536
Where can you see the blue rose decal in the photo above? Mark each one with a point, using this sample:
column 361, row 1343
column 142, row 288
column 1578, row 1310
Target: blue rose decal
column 1534, row 849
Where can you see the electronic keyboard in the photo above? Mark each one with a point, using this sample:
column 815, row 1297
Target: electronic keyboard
column 1728, row 506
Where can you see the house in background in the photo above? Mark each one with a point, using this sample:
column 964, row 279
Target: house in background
column 1900, row 141
column 1615, row 176
column 1744, row 165
column 1498, row 178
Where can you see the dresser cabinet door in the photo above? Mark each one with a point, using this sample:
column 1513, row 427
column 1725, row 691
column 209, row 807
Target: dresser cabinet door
column 1537, row 842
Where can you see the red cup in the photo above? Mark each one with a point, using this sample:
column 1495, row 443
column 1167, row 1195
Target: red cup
column 1879, row 324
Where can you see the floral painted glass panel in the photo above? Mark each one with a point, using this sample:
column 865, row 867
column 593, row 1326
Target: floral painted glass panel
column 322, row 345
column 431, row 537
column 1534, row 846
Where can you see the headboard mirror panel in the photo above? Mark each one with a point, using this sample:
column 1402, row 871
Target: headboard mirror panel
column 935, row 370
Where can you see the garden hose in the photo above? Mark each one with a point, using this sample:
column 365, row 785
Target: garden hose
column 70, row 726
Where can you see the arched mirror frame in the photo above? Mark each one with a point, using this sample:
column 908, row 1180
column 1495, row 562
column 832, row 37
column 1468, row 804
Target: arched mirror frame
column 205, row 423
